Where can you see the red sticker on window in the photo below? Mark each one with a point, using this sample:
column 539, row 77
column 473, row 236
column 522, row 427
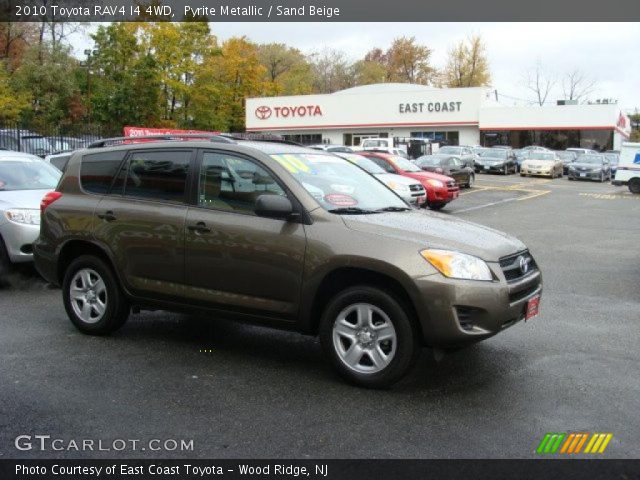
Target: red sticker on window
column 340, row 200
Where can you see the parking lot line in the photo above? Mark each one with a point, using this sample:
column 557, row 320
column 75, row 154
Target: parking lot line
column 534, row 195
column 478, row 207
column 475, row 190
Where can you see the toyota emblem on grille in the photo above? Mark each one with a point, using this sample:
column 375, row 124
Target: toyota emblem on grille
column 263, row 112
column 524, row 264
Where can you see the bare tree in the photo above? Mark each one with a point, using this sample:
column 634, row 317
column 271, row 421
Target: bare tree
column 540, row 83
column 576, row 85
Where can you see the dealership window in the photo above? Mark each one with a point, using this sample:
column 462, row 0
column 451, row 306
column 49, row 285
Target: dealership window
column 304, row 138
column 554, row 139
column 445, row 138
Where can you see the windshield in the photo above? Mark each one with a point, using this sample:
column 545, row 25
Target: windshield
column 594, row 159
column 404, row 164
column 541, row 156
column 368, row 165
column 430, row 160
column 451, row 150
column 27, row 175
column 338, row 184
column 566, row 155
column 613, row 158
column 494, row 153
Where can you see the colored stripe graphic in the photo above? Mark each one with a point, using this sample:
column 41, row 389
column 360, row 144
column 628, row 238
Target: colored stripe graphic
column 550, row 443
column 572, row 443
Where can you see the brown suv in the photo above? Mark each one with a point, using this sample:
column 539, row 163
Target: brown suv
column 281, row 235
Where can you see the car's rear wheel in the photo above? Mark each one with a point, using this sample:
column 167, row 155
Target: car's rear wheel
column 634, row 185
column 5, row 263
column 472, row 179
column 369, row 336
column 92, row 297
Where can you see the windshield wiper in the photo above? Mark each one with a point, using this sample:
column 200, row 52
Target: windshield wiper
column 352, row 211
column 393, row 209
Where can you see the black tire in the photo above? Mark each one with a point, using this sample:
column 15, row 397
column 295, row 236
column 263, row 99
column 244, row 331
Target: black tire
column 5, row 263
column 472, row 179
column 436, row 206
column 117, row 307
column 407, row 347
column 569, row 177
column 634, row 185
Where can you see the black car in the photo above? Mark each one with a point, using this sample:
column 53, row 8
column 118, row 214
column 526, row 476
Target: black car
column 567, row 157
column 498, row 160
column 449, row 165
column 614, row 159
column 590, row 167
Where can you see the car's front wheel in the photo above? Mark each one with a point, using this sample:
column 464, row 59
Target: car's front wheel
column 369, row 336
column 92, row 296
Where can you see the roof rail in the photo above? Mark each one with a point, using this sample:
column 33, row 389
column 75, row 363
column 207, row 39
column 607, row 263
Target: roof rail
column 166, row 137
column 260, row 137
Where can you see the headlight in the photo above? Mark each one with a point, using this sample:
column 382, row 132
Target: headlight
column 435, row 183
column 399, row 187
column 457, row 265
column 23, row 215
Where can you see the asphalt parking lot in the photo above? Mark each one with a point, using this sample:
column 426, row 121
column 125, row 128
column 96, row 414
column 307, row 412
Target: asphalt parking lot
column 244, row 391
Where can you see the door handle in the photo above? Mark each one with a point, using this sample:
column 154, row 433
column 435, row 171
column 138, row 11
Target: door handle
column 107, row 216
column 199, row 227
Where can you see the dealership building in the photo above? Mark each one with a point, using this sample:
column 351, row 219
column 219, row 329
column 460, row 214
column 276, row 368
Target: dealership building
column 453, row 116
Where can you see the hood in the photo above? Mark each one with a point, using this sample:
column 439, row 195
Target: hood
column 399, row 179
column 434, row 230
column 21, row 198
column 422, row 175
column 586, row 165
column 484, row 160
column 540, row 163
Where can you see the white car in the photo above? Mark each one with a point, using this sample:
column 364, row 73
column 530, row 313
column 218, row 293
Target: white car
column 410, row 190
column 383, row 145
column 582, row 151
column 24, row 180
column 628, row 171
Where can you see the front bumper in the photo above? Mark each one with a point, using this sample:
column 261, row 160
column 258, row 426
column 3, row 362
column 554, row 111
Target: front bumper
column 499, row 168
column 545, row 172
column 19, row 238
column 460, row 312
column 588, row 175
column 413, row 198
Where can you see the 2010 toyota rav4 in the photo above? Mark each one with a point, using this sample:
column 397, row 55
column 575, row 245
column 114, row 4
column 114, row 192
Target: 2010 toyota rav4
column 282, row 235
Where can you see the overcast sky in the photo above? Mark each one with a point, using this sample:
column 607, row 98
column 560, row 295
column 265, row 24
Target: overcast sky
column 606, row 52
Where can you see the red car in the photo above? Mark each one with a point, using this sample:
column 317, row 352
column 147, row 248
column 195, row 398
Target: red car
column 440, row 188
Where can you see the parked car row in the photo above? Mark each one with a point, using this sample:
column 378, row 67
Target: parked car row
column 26, row 141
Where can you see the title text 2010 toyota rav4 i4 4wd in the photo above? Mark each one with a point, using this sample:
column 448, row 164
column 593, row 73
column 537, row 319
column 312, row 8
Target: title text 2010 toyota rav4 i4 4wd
column 282, row 235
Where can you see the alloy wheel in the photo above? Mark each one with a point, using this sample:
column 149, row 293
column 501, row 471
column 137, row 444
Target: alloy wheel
column 88, row 295
column 364, row 338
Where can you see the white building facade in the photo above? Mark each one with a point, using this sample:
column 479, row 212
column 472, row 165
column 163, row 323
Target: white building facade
column 455, row 116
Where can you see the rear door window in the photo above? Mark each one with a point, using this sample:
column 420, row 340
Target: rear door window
column 157, row 175
column 98, row 169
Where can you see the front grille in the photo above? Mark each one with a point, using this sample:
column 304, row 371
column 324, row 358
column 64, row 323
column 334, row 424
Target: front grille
column 416, row 187
column 451, row 183
column 511, row 266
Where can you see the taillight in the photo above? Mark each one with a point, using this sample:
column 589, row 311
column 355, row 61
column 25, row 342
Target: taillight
column 48, row 199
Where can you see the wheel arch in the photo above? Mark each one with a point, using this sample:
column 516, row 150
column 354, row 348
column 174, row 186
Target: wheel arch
column 343, row 277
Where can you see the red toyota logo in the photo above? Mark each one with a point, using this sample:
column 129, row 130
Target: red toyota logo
column 263, row 112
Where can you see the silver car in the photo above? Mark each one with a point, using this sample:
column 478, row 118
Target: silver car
column 24, row 180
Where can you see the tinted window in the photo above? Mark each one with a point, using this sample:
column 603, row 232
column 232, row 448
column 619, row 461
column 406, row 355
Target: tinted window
column 97, row 170
column 383, row 164
column 158, row 175
column 232, row 183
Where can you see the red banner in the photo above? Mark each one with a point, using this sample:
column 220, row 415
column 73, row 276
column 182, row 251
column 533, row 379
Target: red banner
column 142, row 131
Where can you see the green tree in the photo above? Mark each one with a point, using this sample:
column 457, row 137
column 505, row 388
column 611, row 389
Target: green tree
column 467, row 65
column 224, row 81
column 12, row 103
column 123, row 79
column 287, row 71
column 48, row 75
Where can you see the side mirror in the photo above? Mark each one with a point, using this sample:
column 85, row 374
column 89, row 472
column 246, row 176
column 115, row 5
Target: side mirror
column 273, row 206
